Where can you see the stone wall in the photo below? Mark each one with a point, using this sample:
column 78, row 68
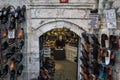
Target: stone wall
column 44, row 15
column 44, row 18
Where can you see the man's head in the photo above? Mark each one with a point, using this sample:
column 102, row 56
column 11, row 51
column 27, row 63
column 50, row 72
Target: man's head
column 60, row 37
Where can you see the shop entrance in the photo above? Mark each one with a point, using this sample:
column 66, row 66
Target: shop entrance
column 60, row 57
column 36, row 40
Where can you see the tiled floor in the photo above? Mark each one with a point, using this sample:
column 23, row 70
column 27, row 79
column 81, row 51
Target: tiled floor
column 65, row 70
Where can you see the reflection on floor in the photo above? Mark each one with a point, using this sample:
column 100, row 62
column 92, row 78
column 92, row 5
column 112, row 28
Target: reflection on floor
column 65, row 70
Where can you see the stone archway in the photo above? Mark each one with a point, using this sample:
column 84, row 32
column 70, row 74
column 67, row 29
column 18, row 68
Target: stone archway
column 58, row 24
column 33, row 42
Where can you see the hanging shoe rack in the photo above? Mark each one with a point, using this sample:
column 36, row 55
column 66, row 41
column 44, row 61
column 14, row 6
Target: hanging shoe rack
column 97, row 61
column 12, row 42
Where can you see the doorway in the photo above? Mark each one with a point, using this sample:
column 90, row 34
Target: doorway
column 64, row 68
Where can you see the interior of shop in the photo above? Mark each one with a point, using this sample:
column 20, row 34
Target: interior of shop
column 59, row 55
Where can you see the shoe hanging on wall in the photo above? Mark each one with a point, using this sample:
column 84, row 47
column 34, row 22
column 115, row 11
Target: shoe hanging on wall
column 17, row 12
column 20, row 45
column 86, row 37
column 10, row 52
column 12, row 21
column 12, row 64
column 20, row 34
column 18, row 58
column 22, row 14
column 95, row 39
column 4, row 33
column 4, row 71
column 19, row 70
column 5, row 14
column 104, row 37
column 12, row 75
column 4, row 45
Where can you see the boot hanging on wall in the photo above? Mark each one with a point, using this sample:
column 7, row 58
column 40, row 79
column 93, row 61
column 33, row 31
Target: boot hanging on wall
column 86, row 37
column 4, row 45
column 12, row 64
column 5, row 60
column 85, row 54
column 113, row 42
column 19, row 70
column 84, row 61
column 12, row 74
column 4, row 71
column 85, row 46
column 95, row 39
column 104, row 37
column 84, row 75
column 10, row 52
column 5, row 14
column 20, row 33
column 12, row 21
column 18, row 58
column 22, row 13
column 4, row 33
column 20, row 45
column 17, row 13
column 84, row 68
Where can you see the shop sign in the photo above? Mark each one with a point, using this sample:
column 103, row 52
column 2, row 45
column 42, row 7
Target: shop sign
column 11, row 33
column 63, row 1
column 93, row 20
column 111, row 18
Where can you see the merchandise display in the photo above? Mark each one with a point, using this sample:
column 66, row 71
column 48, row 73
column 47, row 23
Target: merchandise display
column 98, row 62
column 68, row 36
column 48, row 70
column 12, row 42
column 55, row 48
